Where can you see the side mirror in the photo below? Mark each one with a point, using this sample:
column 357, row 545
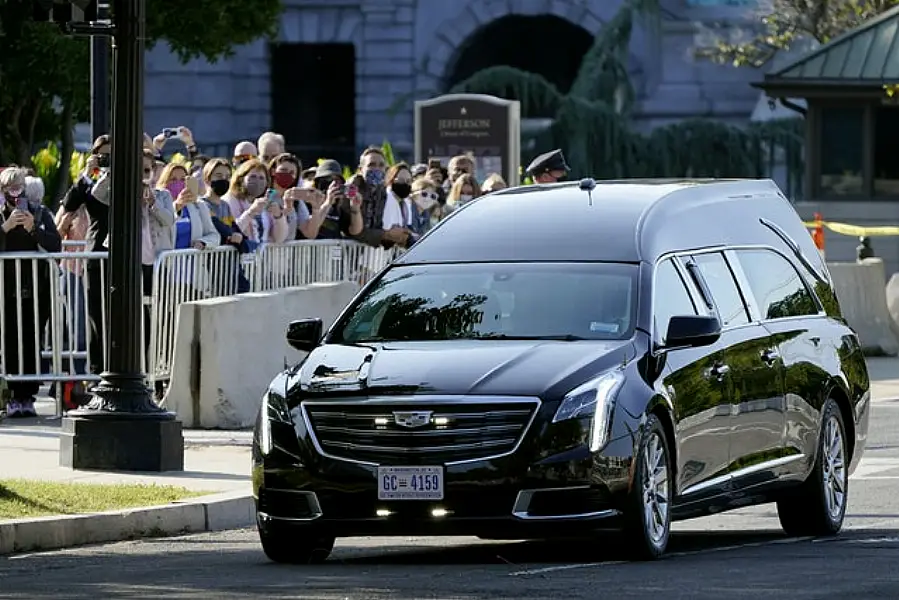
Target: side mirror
column 692, row 331
column 305, row 334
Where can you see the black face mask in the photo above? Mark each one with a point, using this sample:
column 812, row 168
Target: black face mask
column 220, row 186
column 402, row 190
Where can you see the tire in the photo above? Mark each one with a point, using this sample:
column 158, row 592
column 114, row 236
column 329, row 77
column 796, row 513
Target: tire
column 647, row 515
column 296, row 549
column 818, row 506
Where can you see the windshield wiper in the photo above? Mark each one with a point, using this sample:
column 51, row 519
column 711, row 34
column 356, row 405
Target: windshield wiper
column 503, row 336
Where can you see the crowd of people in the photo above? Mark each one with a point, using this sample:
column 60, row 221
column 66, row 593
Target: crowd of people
column 260, row 195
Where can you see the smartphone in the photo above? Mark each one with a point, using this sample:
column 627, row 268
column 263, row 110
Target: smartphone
column 273, row 198
column 103, row 161
column 192, row 184
column 170, row 132
column 350, row 191
column 22, row 203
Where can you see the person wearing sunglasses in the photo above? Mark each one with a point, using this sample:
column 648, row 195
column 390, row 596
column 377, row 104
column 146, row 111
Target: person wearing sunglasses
column 243, row 151
column 425, row 199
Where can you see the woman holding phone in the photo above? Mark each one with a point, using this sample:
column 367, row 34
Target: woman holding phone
column 193, row 223
column 24, row 228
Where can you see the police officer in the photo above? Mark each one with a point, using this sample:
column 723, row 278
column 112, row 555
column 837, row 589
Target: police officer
column 548, row 168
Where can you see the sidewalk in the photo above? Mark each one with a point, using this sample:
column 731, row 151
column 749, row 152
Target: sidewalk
column 884, row 373
column 214, row 461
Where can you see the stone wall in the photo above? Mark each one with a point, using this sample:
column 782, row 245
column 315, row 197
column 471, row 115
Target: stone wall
column 407, row 47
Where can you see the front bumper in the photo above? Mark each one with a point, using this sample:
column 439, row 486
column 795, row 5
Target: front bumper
column 509, row 497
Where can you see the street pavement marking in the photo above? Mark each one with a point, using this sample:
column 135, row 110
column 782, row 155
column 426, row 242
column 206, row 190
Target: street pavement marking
column 607, row 563
column 869, row 467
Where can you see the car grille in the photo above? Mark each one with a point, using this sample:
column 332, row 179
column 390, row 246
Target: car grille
column 462, row 430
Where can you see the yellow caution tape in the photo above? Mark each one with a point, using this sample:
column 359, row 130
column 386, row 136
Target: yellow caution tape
column 854, row 230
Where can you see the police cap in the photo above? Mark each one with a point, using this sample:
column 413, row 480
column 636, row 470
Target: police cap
column 550, row 161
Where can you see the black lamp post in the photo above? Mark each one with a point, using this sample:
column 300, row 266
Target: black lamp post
column 100, row 76
column 122, row 428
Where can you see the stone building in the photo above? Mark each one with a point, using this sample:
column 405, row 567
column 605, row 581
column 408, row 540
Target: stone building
column 342, row 74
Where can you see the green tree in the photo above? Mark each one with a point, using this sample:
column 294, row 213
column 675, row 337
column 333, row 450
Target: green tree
column 786, row 22
column 591, row 121
column 45, row 75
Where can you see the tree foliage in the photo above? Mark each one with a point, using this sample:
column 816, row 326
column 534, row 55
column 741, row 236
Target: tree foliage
column 591, row 121
column 45, row 75
column 783, row 23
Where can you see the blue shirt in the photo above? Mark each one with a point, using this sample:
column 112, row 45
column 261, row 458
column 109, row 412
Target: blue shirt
column 182, row 231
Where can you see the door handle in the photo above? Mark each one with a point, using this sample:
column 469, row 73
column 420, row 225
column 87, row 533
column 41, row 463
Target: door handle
column 770, row 356
column 719, row 371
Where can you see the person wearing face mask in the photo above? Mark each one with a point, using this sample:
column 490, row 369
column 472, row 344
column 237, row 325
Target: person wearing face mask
column 193, row 224
column 548, row 168
column 83, row 192
column 425, row 200
column 285, row 169
column 372, row 171
column 217, row 177
column 398, row 209
column 24, row 228
column 247, row 200
column 464, row 190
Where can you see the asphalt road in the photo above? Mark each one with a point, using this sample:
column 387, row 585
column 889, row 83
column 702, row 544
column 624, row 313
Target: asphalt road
column 741, row 554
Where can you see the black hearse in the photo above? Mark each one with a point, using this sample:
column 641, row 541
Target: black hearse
column 567, row 358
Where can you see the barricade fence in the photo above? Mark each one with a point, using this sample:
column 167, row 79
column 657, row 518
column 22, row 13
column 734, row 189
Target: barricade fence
column 53, row 313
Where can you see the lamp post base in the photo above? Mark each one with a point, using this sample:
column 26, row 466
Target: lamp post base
column 122, row 429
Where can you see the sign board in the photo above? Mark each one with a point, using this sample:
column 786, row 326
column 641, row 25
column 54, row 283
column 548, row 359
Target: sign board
column 486, row 127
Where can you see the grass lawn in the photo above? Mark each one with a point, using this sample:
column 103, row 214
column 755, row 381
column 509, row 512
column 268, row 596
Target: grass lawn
column 20, row 498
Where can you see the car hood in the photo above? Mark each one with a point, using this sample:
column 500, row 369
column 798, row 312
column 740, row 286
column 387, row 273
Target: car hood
column 483, row 367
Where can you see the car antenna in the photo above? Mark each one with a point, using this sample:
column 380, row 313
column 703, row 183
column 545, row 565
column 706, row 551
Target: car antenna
column 588, row 184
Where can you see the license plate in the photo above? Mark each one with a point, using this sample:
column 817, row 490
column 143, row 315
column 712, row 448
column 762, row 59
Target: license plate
column 410, row 483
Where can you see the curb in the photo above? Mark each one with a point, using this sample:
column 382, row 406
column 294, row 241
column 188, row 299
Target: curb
column 232, row 510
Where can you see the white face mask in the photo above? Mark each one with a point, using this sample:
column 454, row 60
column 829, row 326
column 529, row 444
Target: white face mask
column 463, row 198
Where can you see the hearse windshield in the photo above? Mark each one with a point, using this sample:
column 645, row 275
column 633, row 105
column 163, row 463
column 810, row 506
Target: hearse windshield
column 555, row 301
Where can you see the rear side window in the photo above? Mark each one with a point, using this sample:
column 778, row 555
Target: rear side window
column 670, row 297
column 779, row 291
column 725, row 294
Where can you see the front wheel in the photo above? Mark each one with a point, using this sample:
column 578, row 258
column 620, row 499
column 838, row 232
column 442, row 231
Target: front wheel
column 296, row 549
column 647, row 516
column 818, row 506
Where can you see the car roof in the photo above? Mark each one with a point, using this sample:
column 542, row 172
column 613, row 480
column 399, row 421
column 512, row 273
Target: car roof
column 614, row 221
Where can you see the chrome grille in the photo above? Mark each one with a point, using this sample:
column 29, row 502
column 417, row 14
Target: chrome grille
column 454, row 431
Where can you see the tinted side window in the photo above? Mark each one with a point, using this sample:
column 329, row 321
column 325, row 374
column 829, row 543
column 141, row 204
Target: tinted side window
column 671, row 297
column 777, row 287
column 725, row 293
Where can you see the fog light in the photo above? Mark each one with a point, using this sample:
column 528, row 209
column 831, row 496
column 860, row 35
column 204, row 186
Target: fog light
column 382, row 512
column 439, row 512
column 380, row 420
column 441, row 421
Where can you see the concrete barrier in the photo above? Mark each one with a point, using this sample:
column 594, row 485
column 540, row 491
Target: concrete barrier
column 227, row 350
column 861, row 290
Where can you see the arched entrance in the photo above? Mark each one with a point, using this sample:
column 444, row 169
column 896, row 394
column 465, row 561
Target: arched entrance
column 543, row 44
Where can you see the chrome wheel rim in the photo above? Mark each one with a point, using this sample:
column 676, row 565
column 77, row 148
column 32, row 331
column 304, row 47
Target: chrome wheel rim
column 834, row 469
column 655, row 490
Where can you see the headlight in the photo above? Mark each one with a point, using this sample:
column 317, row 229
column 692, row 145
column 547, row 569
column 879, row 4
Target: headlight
column 265, row 427
column 596, row 398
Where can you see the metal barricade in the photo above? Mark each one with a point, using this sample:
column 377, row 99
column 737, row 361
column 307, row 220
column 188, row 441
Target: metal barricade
column 181, row 276
column 45, row 314
column 53, row 306
column 317, row 261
